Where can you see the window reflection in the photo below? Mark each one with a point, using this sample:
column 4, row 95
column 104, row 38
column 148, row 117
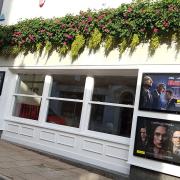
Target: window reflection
column 111, row 120
column 112, row 87
column 30, row 84
column 67, row 86
column 27, row 107
column 64, row 113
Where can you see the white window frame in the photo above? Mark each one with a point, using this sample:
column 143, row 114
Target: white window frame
column 21, row 119
column 48, row 98
column 86, row 104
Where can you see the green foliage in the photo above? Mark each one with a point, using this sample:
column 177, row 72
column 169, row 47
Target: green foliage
column 138, row 22
column 109, row 43
column 154, row 44
column 95, row 39
column 63, row 50
column 135, row 41
column 48, row 47
column 77, row 44
column 122, row 46
column 38, row 47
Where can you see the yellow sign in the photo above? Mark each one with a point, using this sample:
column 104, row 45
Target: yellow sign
column 140, row 152
column 178, row 100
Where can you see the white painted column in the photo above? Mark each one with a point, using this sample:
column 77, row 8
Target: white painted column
column 44, row 102
column 86, row 108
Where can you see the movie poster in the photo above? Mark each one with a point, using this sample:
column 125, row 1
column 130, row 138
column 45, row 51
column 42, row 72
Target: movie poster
column 158, row 139
column 160, row 92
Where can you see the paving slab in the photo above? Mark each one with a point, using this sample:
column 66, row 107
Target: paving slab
column 19, row 163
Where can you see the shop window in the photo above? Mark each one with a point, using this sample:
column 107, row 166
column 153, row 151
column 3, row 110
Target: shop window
column 65, row 101
column 112, row 105
column 28, row 96
column 1, row 5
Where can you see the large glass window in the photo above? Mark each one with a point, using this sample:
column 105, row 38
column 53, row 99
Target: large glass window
column 65, row 101
column 106, row 104
column 1, row 4
column 112, row 105
column 28, row 96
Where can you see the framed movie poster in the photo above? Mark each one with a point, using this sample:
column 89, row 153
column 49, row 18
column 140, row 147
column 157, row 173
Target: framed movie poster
column 160, row 92
column 158, row 139
column 2, row 74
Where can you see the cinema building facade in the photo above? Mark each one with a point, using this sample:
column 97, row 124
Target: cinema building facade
column 87, row 109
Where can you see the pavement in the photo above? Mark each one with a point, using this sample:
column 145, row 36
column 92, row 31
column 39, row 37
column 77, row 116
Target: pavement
column 19, row 163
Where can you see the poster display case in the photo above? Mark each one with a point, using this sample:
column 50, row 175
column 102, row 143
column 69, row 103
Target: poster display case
column 160, row 92
column 158, row 139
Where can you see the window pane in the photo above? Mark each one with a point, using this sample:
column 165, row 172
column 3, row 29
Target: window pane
column 30, row 84
column 64, row 113
column 65, row 86
column 115, row 89
column 27, row 107
column 111, row 120
column 1, row 5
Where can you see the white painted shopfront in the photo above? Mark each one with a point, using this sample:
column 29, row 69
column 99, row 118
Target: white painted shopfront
column 80, row 110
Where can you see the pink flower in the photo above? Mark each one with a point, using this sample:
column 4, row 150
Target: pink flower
column 17, row 33
column 65, row 43
column 68, row 36
column 90, row 19
column 100, row 17
column 31, row 37
column 86, row 29
column 166, row 24
column 129, row 10
column 107, row 30
column 155, row 30
column 102, row 26
column 63, row 26
column 42, row 30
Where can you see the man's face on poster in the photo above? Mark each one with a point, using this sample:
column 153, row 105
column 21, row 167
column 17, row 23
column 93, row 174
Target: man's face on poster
column 143, row 134
column 148, row 81
column 176, row 139
column 161, row 89
column 160, row 135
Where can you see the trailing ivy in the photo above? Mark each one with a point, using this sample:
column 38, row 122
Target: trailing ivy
column 109, row 42
column 77, row 44
column 124, row 27
column 135, row 41
column 95, row 39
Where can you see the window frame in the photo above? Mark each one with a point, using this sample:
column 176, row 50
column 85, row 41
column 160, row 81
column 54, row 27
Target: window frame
column 86, row 103
column 15, row 94
column 49, row 97
column 91, row 133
